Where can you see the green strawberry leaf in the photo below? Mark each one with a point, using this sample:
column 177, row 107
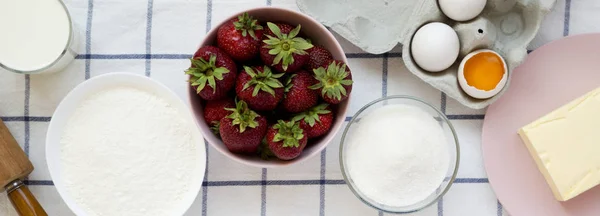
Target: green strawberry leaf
column 246, row 24
column 262, row 80
column 203, row 71
column 332, row 80
column 288, row 83
column 249, row 71
column 212, row 83
column 288, row 132
column 294, row 32
column 243, row 116
column 283, row 46
column 311, row 116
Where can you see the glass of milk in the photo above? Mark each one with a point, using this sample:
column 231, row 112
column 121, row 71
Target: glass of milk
column 37, row 36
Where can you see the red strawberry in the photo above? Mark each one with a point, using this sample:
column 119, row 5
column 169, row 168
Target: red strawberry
column 212, row 66
column 315, row 122
column 298, row 96
column 242, row 130
column 335, row 81
column 286, row 140
column 318, row 56
column 283, row 50
column 240, row 37
column 259, row 87
column 214, row 111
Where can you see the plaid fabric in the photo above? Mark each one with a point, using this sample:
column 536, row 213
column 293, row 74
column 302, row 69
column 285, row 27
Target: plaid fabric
column 155, row 38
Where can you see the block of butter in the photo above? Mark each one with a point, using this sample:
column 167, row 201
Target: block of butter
column 565, row 145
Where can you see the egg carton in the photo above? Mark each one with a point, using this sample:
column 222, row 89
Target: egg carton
column 377, row 26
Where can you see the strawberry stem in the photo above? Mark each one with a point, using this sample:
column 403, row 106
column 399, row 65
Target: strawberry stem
column 332, row 80
column 243, row 116
column 282, row 46
column 247, row 24
column 202, row 72
column 264, row 80
column 311, row 116
column 288, row 132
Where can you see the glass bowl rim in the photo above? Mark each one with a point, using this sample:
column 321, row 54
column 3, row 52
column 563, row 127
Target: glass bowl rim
column 387, row 98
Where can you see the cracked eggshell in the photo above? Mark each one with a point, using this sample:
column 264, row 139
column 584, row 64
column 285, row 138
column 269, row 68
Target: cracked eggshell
column 377, row 26
column 478, row 93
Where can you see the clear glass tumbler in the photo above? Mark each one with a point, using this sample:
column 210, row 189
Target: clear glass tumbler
column 35, row 38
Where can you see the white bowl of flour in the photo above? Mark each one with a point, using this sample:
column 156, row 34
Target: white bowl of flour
column 399, row 154
column 123, row 144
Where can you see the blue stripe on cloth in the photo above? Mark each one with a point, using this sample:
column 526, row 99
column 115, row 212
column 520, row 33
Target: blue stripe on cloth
column 269, row 3
column 204, row 188
column 133, row 56
column 380, row 213
column 88, row 37
column 440, row 206
column 263, row 193
column 471, row 180
column 322, row 182
column 567, row 17
column 26, row 118
column 499, row 209
column 348, row 118
column 384, row 76
column 443, row 103
column 369, row 55
column 273, row 182
column 205, row 191
column 39, row 182
column 26, row 114
column 149, row 37
column 465, row 117
column 187, row 56
column 208, row 15
column 288, row 182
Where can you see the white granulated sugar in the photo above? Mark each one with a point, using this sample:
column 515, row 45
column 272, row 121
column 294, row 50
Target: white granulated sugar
column 126, row 151
column 397, row 155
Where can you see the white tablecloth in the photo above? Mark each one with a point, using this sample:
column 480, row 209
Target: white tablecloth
column 155, row 38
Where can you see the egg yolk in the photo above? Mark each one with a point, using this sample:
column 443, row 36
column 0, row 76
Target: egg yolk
column 484, row 70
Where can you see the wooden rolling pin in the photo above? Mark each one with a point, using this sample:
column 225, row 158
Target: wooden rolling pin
column 14, row 167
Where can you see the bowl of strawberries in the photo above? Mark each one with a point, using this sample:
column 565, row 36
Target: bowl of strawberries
column 269, row 87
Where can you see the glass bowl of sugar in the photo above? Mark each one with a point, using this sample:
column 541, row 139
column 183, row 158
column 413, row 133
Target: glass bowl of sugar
column 399, row 154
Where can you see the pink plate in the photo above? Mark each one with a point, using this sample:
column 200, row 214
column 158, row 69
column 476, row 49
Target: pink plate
column 552, row 76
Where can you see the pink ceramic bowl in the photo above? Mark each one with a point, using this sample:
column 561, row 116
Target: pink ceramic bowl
column 319, row 35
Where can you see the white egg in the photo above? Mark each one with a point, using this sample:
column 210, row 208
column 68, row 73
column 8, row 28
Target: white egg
column 462, row 10
column 479, row 93
column 435, row 47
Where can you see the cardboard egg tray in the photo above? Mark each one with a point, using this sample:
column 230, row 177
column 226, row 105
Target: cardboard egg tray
column 377, row 26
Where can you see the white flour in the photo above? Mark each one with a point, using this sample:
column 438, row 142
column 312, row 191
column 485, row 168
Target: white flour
column 127, row 152
column 398, row 155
